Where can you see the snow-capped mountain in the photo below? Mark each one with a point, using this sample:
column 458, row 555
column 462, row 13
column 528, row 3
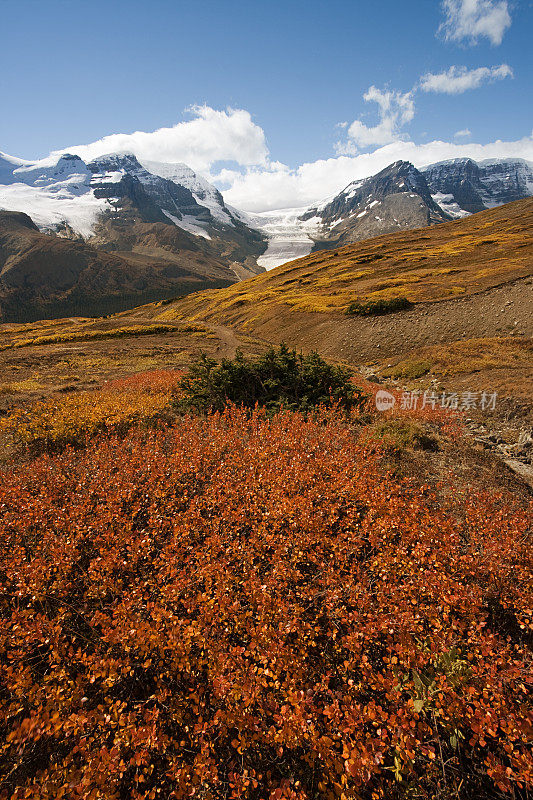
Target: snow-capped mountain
column 97, row 237
column 54, row 192
column 465, row 186
column 108, row 202
column 203, row 192
column 66, row 196
column 397, row 198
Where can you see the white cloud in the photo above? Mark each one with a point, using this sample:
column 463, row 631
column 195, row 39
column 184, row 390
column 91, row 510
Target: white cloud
column 457, row 80
column 462, row 133
column 472, row 19
column 211, row 136
column 395, row 110
column 281, row 187
column 258, row 184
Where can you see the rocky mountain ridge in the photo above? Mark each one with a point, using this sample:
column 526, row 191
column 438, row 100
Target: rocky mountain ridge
column 69, row 197
column 475, row 186
column 399, row 197
column 396, row 198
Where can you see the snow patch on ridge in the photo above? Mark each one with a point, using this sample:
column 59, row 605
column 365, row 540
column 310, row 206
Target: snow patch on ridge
column 51, row 209
column 448, row 204
column 187, row 223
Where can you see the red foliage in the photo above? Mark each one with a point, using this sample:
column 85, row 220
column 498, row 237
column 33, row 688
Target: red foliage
column 245, row 607
column 157, row 380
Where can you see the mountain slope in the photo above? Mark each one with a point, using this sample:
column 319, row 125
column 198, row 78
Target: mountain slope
column 304, row 302
column 92, row 201
column 49, row 276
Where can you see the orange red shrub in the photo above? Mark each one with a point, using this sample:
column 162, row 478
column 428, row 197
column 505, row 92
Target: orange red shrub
column 245, row 607
column 72, row 418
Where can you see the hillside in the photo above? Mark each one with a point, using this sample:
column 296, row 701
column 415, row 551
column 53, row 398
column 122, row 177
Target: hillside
column 43, row 275
column 108, row 200
column 457, row 274
column 470, row 325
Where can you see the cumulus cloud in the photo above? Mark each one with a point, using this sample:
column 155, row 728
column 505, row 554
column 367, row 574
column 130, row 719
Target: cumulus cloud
column 209, row 137
column 395, row 109
column 253, row 182
column 470, row 20
column 457, row 80
column 281, row 187
column 462, row 133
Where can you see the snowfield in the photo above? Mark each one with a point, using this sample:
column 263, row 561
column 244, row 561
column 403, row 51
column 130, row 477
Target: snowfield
column 60, row 191
column 288, row 236
column 53, row 209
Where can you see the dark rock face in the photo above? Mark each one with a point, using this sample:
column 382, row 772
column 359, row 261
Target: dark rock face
column 131, row 189
column 477, row 186
column 396, row 198
column 149, row 192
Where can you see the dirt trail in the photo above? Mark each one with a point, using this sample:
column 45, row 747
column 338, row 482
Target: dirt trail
column 229, row 341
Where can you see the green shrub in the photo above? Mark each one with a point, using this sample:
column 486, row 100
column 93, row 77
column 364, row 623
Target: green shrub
column 409, row 369
column 399, row 434
column 369, row 308
column 279, row 378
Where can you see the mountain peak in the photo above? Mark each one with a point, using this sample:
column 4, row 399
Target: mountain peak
column 116, row 162
column 474, row 186
column 396, row 198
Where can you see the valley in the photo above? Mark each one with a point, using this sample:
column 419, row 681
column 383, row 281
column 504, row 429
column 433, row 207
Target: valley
column 469, row 327
column 194, row 593
column 161, row 230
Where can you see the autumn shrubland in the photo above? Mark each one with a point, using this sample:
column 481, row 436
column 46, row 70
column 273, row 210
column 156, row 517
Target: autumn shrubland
column 279, row 378
column 472, row 355
column 94, row 335
column 252, row 605
column 72, row 418
column 242, row 581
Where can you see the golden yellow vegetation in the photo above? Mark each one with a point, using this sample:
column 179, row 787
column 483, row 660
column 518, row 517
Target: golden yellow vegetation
column 472, row 355
column 453, row 259
column 73, row 417
column 84, row 336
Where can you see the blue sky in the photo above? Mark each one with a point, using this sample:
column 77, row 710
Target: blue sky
column 74, row 72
